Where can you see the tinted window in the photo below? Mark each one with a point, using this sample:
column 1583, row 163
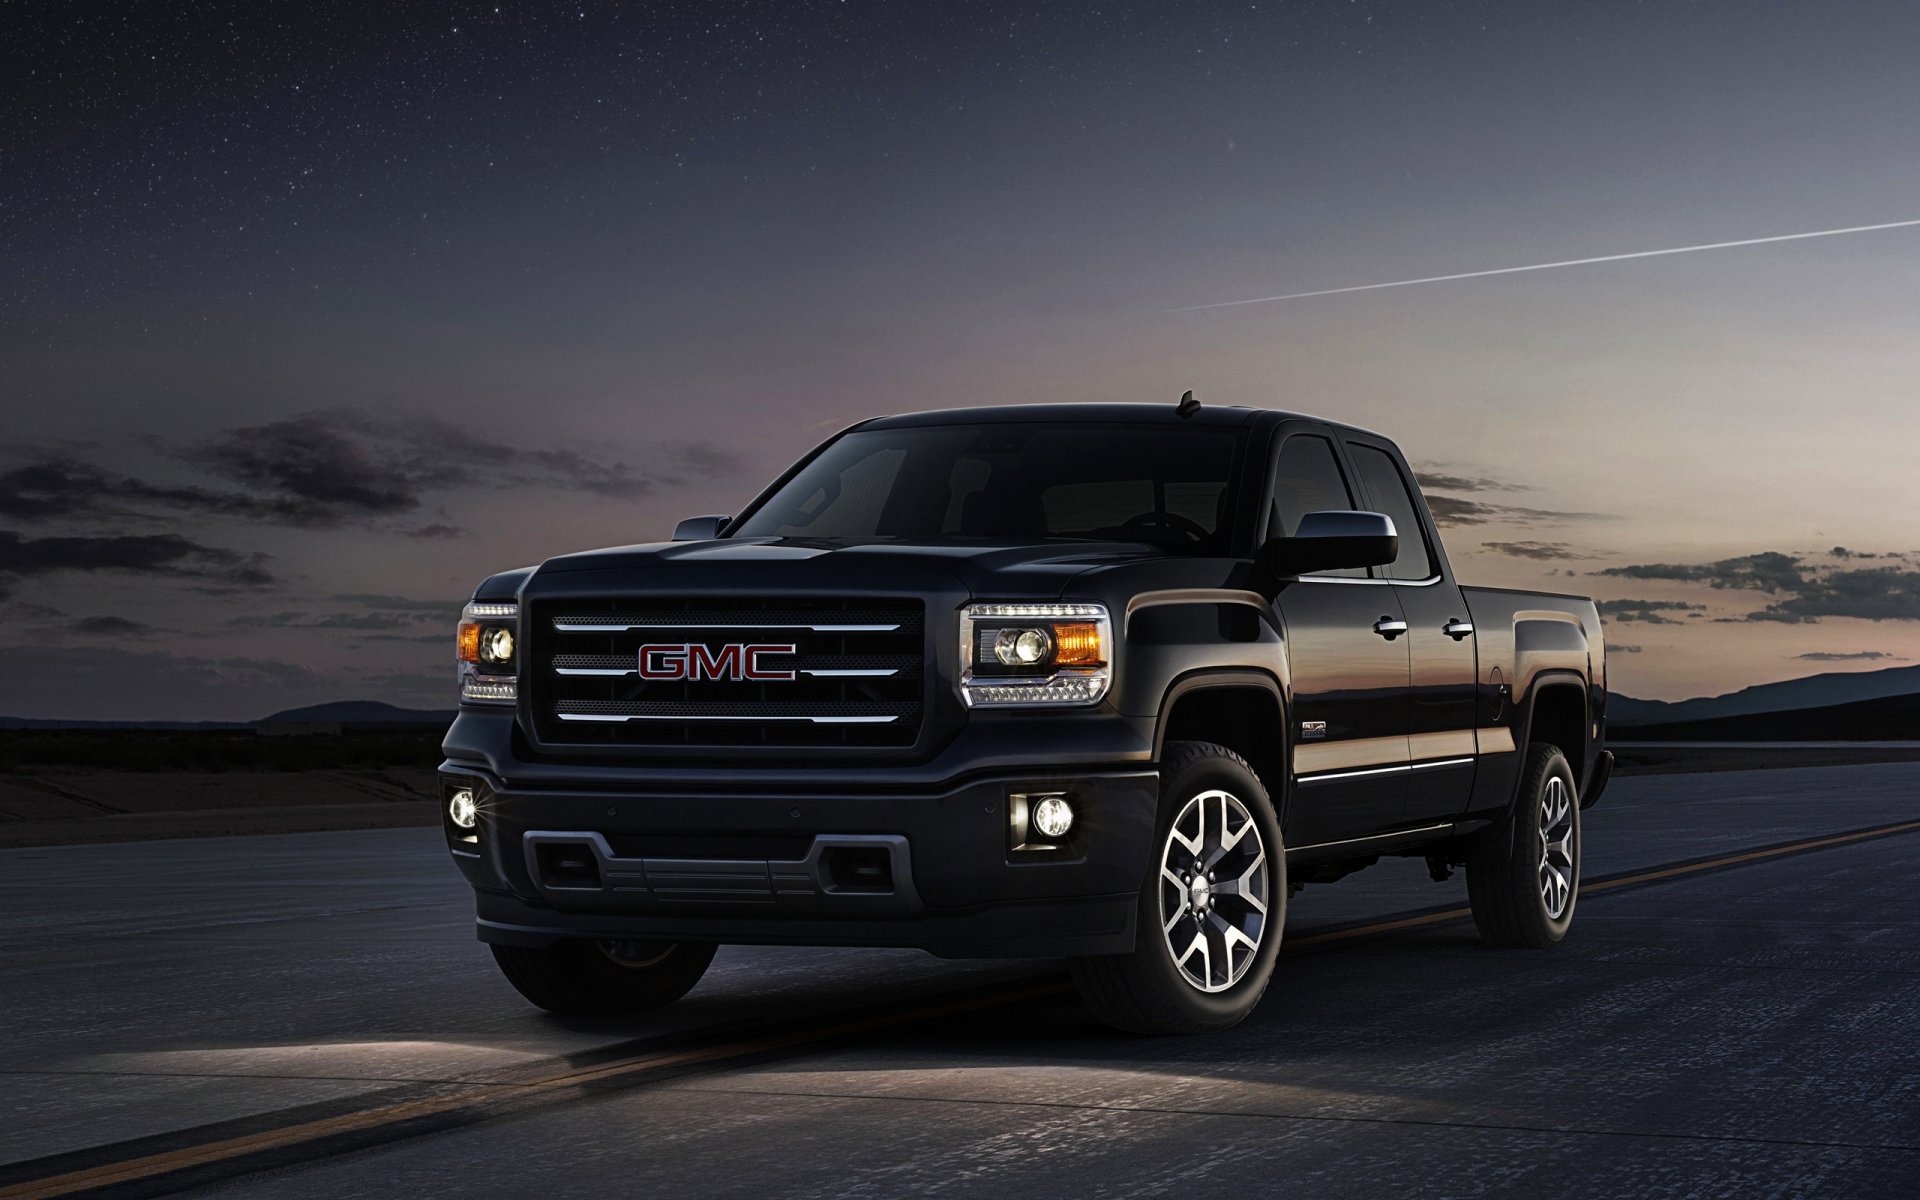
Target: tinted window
column 1307, row 478
column 1387, row 492
column 1160, row 484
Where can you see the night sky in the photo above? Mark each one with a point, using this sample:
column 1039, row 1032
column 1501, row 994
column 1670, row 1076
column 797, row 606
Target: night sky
column 313, row 315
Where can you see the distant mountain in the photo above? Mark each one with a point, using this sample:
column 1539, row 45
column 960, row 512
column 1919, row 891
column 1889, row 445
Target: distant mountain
column 1813, row 691
column 1887, row 719
column 360, row 712
column 55, row 723
column 357, row 713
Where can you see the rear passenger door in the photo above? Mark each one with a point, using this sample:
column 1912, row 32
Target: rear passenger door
column 1349, row 681
column 1440, row 728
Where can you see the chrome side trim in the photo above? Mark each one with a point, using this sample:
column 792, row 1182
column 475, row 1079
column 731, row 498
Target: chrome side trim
column 620, row 717
column 575, row 627
column 1427, row 582
column 1423, row 766
column 1316, row 756
column 1377, row 837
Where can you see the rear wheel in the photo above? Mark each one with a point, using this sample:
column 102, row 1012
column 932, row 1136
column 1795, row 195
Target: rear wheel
column 1210, row 919
column 1523, row 894
column 603, row 979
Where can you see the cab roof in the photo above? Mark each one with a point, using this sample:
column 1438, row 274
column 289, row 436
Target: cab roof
column 1231, row 416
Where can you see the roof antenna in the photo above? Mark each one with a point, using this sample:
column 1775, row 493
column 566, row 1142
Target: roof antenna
column 1188, row 405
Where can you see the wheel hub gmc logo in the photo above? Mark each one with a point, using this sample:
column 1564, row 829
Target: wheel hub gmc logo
column 737, row 661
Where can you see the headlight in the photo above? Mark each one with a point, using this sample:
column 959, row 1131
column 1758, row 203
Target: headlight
column 1013, row 654
column 488, row 644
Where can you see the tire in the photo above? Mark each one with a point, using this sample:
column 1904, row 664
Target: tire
column 603, row 979
column 1154, row 990
column 1523, row 889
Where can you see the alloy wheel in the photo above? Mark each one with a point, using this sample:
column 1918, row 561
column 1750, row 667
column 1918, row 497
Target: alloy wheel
column 1213, row 890
column 1556, row 848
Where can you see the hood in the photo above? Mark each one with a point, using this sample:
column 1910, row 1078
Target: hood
column 982, row 568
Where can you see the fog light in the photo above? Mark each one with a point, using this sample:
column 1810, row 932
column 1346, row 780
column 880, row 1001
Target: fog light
column 1052, row 816
column 461, row 809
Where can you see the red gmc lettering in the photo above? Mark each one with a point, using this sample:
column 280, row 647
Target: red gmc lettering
column 707, row 663
column 733, row 661
column 750, row 665
column 663, row 662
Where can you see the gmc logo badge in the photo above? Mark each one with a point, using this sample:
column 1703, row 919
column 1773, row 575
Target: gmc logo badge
column 736, row 661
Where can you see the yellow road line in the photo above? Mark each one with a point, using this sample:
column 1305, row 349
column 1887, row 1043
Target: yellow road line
column 167, row 1162
column 148, row 1166
column 1620, row 881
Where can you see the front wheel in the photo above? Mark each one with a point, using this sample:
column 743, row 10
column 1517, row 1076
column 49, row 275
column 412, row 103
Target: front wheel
column 1523, row 894
column 603, row 979
column 1210, row 919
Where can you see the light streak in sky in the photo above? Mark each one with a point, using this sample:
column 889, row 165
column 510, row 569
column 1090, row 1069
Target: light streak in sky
column 1551, row 266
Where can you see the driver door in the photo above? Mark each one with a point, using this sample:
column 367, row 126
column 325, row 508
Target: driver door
column 1351, row 671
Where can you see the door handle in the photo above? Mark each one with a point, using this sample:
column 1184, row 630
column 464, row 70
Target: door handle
column 1389, row 627
column 1457, row 629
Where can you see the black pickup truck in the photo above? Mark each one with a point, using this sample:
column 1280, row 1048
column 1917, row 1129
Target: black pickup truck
column 1102, row 682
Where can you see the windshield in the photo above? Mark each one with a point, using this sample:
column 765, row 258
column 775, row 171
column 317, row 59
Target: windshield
column 1160, row 484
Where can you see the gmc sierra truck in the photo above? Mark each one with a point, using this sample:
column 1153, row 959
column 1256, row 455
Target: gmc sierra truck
column 1103, row 682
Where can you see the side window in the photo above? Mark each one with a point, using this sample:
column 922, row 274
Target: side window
column 1388, row 492
column 1307, row 478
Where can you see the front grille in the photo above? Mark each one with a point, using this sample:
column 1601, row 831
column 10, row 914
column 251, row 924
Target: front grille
column 858, row 666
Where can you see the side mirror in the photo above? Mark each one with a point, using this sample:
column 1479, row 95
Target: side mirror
column 699, row 529
column 1332, row 541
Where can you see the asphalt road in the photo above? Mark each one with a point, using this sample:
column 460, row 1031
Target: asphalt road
column 1749, row 1029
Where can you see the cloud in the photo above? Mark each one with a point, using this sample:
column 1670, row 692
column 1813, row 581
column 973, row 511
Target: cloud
column 1645, row 612
column 347, row 463
column 306, row 620
column 63, row 486
column 438, row 608
column 338, row 467
column 1848, row 656
column 311, row 471
column 1446, row 491
column 114, row 627
column 1869, row 593
column 371, row 612
column 1452, row 510
column 1771, row 571
column 1536, row 550
column 160, row 554
column 1808, row 591
column 1433, row 479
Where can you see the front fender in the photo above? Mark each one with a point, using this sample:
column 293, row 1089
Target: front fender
column 1171, row 635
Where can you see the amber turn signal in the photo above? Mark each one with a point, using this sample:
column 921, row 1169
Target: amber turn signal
column 469, row 641
column 1077, row 644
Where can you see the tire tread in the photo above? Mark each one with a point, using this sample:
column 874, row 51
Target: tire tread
column 1113, row 987
column 1502, row 883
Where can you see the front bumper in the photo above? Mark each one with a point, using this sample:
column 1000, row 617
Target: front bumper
column 846, row 865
